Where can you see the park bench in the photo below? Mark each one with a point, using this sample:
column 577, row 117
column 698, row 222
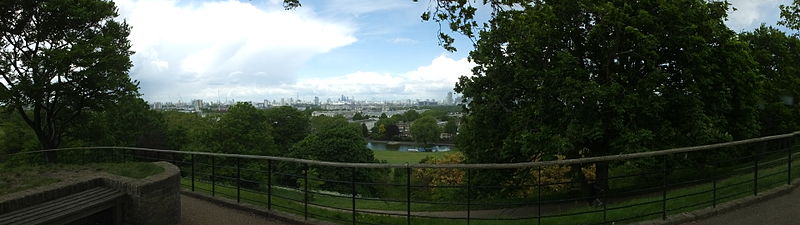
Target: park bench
column 68, row 209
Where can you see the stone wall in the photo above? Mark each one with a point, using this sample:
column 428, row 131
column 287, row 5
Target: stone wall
column 152, row 200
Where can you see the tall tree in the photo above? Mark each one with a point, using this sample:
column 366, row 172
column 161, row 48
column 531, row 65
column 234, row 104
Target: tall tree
column 590, row 78
column 289, row 125
column 778, row 57
column 243, row 130
column 410, row 115
column 60, row 58
column 424, row 130
column 337, row 141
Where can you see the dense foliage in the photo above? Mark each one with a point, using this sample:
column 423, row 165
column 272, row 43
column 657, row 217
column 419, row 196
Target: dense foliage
column 588, row 78
column 62, row 59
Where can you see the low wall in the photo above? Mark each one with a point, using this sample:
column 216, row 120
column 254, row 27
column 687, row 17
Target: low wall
column 152, row 200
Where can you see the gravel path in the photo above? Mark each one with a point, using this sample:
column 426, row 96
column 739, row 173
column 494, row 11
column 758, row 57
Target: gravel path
column 781, row 210
column 200, row 212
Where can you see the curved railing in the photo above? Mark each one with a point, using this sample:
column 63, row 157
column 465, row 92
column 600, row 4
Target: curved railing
column 641, row 186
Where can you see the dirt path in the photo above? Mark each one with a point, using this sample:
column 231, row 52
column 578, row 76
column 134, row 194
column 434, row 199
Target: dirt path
column 200, row 212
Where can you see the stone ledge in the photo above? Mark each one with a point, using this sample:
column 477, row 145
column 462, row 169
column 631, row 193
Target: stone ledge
column 258, row 210
column 33, row 196
column 725, row 207
column 151, row 200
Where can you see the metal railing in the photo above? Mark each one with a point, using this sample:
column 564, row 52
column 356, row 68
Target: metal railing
column 640, row 186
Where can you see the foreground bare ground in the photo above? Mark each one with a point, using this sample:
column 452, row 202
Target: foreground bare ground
column 200, row 212
column 782, row 210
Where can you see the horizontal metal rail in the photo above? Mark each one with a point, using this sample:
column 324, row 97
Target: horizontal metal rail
column 763, row 164
column 563, row 162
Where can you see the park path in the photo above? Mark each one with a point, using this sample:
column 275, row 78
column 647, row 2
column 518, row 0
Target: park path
column 781, row 210
column 196, row 211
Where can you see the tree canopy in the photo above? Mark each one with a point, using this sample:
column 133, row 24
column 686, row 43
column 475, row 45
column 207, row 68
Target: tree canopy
column 424, row 130
column 289, row 125
column 588, row 78
column 59, row 59
column 243, row 130
column 778, row 57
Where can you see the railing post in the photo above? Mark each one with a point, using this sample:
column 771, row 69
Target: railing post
column 469, row 196
column 213, row 183
column 605, row 200
column 353, row 196
column 789, row 161
column 305, row 192
column 269, row 184
column 539, row 195
column 193, row 172
column 664, row 189
column 408, row 195
column 756, row 155
column 714, row 186
column 238, row 180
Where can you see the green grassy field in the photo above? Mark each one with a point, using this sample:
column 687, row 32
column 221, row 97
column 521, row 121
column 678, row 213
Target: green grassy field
column 13, row 179
column 403, row 157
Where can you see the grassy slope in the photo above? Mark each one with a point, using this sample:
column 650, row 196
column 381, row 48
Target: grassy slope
column 403, row 157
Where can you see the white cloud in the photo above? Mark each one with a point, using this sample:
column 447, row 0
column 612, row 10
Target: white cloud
column 430, row 81
column 750, row 14
column 181, row 48
column 401, row 40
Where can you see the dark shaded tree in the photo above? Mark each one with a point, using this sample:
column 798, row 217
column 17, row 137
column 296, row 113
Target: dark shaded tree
column 130, row 123
column 451, row 127
column 778, row 57
column 289, row 125
column 410, row 115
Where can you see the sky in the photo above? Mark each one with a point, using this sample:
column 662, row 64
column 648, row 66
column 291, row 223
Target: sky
column 253, row 50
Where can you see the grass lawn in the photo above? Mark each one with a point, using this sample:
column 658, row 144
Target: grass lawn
column 13, row 179
column 736, row 185
column 403, row 157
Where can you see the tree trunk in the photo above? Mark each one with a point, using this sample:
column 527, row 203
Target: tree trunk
column 600, row 185
column 50, row 157
column 48, row 143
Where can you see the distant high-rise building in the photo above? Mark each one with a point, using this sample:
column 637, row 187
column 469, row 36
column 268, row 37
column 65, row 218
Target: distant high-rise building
column 283, row 102
column 316, row 100
column 197, row 104
column 449, row 99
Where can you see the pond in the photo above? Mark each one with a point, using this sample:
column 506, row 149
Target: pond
column 405, row 147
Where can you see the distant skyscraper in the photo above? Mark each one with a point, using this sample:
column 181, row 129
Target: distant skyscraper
column 449, row 99
column 197, row 104
column 316, row 100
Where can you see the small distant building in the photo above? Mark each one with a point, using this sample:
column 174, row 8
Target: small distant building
column 405, row 129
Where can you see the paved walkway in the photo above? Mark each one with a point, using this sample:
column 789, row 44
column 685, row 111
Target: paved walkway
column 781, row 210
column 200, row 212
